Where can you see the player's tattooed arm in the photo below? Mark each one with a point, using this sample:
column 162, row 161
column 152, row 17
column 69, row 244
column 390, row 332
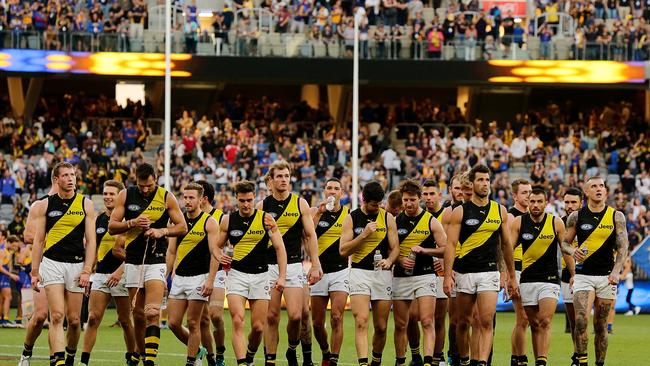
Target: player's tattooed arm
column 622, row 245
column 570, row 234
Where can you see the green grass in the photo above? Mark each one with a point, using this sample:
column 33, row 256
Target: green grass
column 627, row 346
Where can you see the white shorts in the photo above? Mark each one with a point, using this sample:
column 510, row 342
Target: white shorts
column 252, row 286
column 454, row 288
column 517, row 276
column 188, row 287
column 567, row 293
column 472, row 283
column 533, row 292
column 376, row 284
column 220, row 280
column 99, row 284
column 334, row 281
column 152, row 272
column 295, row 277
column 599, row 284
column 61, row 273
column 440, row 293
column 413, row 287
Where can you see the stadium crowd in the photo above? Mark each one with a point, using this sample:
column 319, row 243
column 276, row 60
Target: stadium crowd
column 554, row 146
column 615, row 29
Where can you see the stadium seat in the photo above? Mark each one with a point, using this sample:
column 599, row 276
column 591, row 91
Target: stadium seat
column 319, row 49
column 334, row 50
column 533, row 47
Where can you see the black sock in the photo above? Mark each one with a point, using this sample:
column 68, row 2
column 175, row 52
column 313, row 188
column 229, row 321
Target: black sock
column 334, row 359
column 292, row 357
column 376, row 359
column 135, row 357
column 415, row 353
column 211, row 359
column 473, row 362
column 59, row 359
column 27, row 350
column 151, row 344
column 269, row 359
column 219, row 352
column 85, row 357
column 583, row 360
column 52, row 360
column 242, row 362
column 514, row 360
column 540, row 361
column 523, row 360
column 429, row 360
column 306, row 353
column 326, row 354
column 127, row 356
column 69, row 356
column 250, row 354
column 190, row 361
column 481, row 363
column 362, row 361
column 399, row 361
column 464, row 361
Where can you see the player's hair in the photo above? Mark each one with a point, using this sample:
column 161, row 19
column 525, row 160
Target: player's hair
column 574, row 191
column 61, row 165
column 245, row 186
column 278, row 165
column 456, row 177
column 464, row 180
column 144, row 171
column 409, row 186
column 539, row 190
column 13, row 239
column 394, row 198
column 372, row 192
column 518, row 182
column 208, row 190
column 192, row 186
column 115, row 184
column 587, row 179
column 429, row 183
column 333, row 179
column 479, row 168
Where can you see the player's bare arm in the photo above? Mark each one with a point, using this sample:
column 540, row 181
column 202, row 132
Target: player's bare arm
column 622, row 245
column 560, row 232
column 39, row 220
column 441, row 241
column 570, row 235
column 179, row 226
column 170, row 257
column 508, row 257
column 280, row 251
column 348, row 243
column 91, row 244
column 311, row 243
column 393, row 243
column 453, row 232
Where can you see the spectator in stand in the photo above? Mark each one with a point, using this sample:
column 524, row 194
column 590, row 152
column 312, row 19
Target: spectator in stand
column 8, row 187
column 137, row 16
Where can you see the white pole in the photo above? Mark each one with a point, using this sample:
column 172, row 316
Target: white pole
column 168, row 92
column 355, row 116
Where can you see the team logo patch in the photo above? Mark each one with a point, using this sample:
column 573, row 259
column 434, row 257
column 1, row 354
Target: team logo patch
column 236, row 233
column 527, row 236
column 472, row 222
column 402, row 231
column 586, row 227
column 133, row 208
column 101, row 230
column 55, row 213
column 323, row 224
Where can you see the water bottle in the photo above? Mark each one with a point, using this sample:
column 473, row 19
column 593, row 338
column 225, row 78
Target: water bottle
column 584, row 251
column 330, row 203
column 163, row 306
column 409, row 271
column 376, row 259
column 229, row 251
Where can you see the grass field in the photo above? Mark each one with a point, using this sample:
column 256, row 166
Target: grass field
column 626, row 345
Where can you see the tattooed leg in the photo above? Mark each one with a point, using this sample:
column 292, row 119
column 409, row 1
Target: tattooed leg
column 601, row 314
column 582, row 303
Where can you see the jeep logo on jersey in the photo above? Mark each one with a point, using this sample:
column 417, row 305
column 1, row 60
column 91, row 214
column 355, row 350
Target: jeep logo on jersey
column 291, row 214
column 236, row 233
column 358, row 230
column 74, row 212
column 527, row 236
column 402, row 231
column 586, row 227
column 472, row 222
column 133, row 208
column 55, row 214
column 323, row 224
column 101, row 230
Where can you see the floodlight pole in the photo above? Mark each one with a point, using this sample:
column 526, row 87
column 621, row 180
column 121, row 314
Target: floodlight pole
column 355, row 115
column 168, row 93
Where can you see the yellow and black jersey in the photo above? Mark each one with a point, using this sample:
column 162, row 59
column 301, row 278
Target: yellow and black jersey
column 106, row 261
column 218, row 215
column 362, row 258
column 155, row 208
column 597, row 232
column 413, row 231
column 65, row 229
column 539, row 243
column 192, row 252
column 328, row 231
column 479, row 237
column 566, row 275
column 250, row 241
column 517, row 254
column 287, row 216
column 438, row 214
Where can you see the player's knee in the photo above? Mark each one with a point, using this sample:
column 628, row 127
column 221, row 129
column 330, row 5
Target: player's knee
column 336, row 318
column 361, row 321
column 93, row 320
column 544, row 323
column 295, row 316
column 380, row 329
column 193, row 325
column 125, row 321
column 56, row 316
column 40, row 317
column 581, row 324
column 152, row 313
column 138, row 316
column 273, row 317
column 258, row 326
column 427, row 322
